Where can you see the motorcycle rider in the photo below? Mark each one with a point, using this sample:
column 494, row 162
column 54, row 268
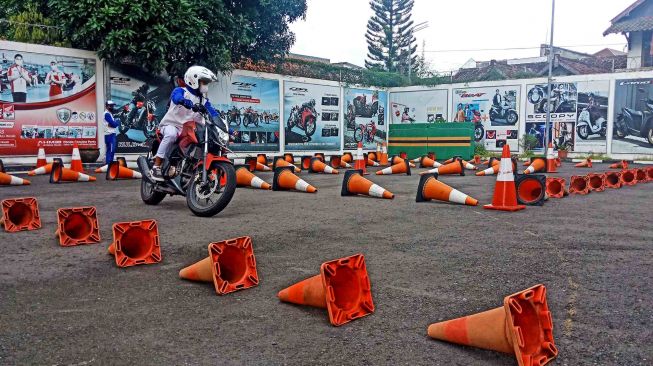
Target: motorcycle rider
column 110, row 125
column 308, row 105
column 197, row 80
column 497, row 101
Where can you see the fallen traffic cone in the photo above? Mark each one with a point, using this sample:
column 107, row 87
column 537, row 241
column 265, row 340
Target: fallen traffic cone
column 476, row 160
column 523, row 326
column 527, row 163
column 285, row 180
column 289, row 158
column 231, row 266
column 342, row 287
column 402, row 167
column 306, row 162
column 641, row 176
column 468, row 165
column 613, row 180
column 318, row 166
column 116, row 171
column 628, row 177
column 384, row 155
column 620, row 165
column 489, row 171
column 280, row 162
column 320, row 156
column 431, row 155
column 77, row 225
column 46, row 169
column 76, row 160
column 395, row 159
column 372, row 156
column 452, row 159
column 551, row 166
column 579, row 185
column 430, row 188
column 262, row 158
column 60, row 174
column 455, row 167
column 426, row 162
column 121, row 161
column 596, row 182
column 403, row 155
column 244, row 178
column 556, row 187
column 262, row 167
column 335, row 161
column 371, row 162
column 20, row 214
column 505, row 198
column 10, row 180
column 531, row 189
column 537, row 165
column 347, row 157
column 135, row 243
column 40, row 158
column 585, row 164
column 354, row 183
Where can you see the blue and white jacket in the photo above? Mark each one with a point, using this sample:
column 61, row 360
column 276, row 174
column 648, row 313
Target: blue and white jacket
column 182, row 99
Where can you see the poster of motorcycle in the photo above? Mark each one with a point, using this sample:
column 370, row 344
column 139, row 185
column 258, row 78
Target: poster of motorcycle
column 312, row 114
column 494, row 110
column 46, row 101
column 365, row 118
column 419, row 106
column 633, row 117
column 141, row 102
column 251, row 107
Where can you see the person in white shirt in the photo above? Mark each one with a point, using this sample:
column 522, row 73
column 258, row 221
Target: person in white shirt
column 18, row 78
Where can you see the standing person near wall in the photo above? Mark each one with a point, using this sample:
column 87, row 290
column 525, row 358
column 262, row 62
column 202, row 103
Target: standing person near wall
column 56, row 79
column 460, row 114
column 18, row 78
column 110, row 125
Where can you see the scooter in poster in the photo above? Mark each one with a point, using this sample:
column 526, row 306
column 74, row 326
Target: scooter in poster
column 479, row 131
column 590, row 122
column 250, row 116
column 366, row 132
column 304, row 117
column 559, row 102
column 636, row 123
column 197, row 168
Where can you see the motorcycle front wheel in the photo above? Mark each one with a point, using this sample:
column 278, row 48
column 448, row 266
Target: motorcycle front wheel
column 512, row 117
column 582, row 132
column 149, row 127
column 208, row 199
column 479, row 131
column 358, row 134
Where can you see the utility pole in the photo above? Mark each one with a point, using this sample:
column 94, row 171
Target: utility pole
column 547, row 126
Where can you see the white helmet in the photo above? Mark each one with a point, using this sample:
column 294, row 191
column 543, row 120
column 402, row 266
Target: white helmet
column 194, row 74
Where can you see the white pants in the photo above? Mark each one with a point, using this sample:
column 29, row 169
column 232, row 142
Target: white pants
column 170, row 134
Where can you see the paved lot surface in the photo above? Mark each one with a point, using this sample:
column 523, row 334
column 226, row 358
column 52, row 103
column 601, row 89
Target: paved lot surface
column 427, row 262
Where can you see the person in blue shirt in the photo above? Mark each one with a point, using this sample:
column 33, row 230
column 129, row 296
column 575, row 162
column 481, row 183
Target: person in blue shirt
column 110, row 125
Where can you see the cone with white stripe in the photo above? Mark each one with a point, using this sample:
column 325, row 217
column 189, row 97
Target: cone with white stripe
column 426, row 162
column 76, row 160
column 40, row 158
column 116, row 171
column 537, row 165
column 371, row 162
column 455, row 167
column 430, row 188
column 399, row 168
column 318, row 166
column 262, row 158
column 551, row 165
column 10, row 180
column 397, row 159
column 384, row 155
column 354, row 183
column 347, row 157
column 468, row 165
column 281, row 162
column 60, row 174
column 361, row 162
column 244, row 178
column 452, row 159
column 285, row 180
column 335, row 161
column 46, row 169
column 505, row 192
column 490, row 171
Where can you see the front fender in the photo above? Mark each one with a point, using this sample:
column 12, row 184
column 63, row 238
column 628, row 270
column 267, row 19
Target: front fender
column 210, row 159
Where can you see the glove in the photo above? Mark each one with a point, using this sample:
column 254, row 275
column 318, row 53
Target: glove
column 199, row 108
column 187, row 103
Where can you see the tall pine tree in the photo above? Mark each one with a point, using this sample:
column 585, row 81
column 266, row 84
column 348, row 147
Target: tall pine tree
column 390, row 40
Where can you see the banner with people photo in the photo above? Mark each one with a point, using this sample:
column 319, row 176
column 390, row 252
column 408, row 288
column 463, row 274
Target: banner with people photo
column 141, row 102
column 312, row 114
column 632, row 131
column 494, row 110
column 365, row 118
column 419, row 106
column 251, row 107
column 46, row 101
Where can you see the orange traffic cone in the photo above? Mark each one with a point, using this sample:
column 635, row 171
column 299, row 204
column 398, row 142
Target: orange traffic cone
column 60, row 174
column 360, row 159
column 430, row 188
column 20, row 214
column 244, row 178
column 280, row 162
column 522, row 326
column 335, row 161
column 372, row 156
column 620, row 165
column 378, row 152
column 579, row 185
column 455, row 167
column 342, row 287
column 505, row 192
column 384, row 155
column 231, row 266
column 551, row 166
column 46, row 169
column 399, row 168
column 452, row 159
column 320, row 156
column 596, row 182
column 468, row 165
column 371, row 162
column 289, row 158
column 135, row 243
column 285, row 180
column 641, row 175
column 354, row 183
column 427, row 162
column 628, row 177
column 306, row 162
column 531, row 189
column 10, row 180
column 476, row 160
column 116, row 171
column 40, row 158
column 395, row 159
column 494, row 169
column 77, row 225
column 318, row 166
column 649, row 174
column 76, row 160
column 121, row 161
column 613, row 179
column 537, row 165
column 556, row 187
column 347, row 157
column 262, row 167
column 262, row 159
column 585, row 164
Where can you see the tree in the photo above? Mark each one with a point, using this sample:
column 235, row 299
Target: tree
column 390, row 40
column 28, row 21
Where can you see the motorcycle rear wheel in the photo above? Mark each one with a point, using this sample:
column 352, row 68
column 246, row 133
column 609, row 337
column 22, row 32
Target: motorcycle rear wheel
column 512, row 117
column 649, row 136
column 222, row 182
column 149, row 195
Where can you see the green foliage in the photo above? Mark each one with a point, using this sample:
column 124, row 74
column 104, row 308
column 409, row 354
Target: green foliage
column 390, row 40
column 528, row 143
column 28, row 21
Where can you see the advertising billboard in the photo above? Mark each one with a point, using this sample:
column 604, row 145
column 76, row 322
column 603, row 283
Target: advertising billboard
column 46, row 101
column 419, row 106
column 633, row 117
column 365, row 118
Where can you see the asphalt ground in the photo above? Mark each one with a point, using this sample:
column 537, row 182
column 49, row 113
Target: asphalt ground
column 427, row 262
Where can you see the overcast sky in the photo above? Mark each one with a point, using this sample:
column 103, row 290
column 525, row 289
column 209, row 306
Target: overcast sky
column 335, row 29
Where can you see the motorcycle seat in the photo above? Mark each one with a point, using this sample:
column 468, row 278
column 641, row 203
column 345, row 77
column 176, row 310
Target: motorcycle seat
column 633, row 112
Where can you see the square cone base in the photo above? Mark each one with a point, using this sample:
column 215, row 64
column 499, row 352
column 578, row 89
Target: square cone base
column 233, row 265
column 20, row 214
column 136, row 243
column 77, row 225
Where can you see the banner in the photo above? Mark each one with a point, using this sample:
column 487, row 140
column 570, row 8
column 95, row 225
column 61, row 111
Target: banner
column 312, row 115
column 633, row 117
column 419, row 106
column 142, row 101
column 46, row 101
column 251, row 107
column 365, row 118
column 494, row 110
